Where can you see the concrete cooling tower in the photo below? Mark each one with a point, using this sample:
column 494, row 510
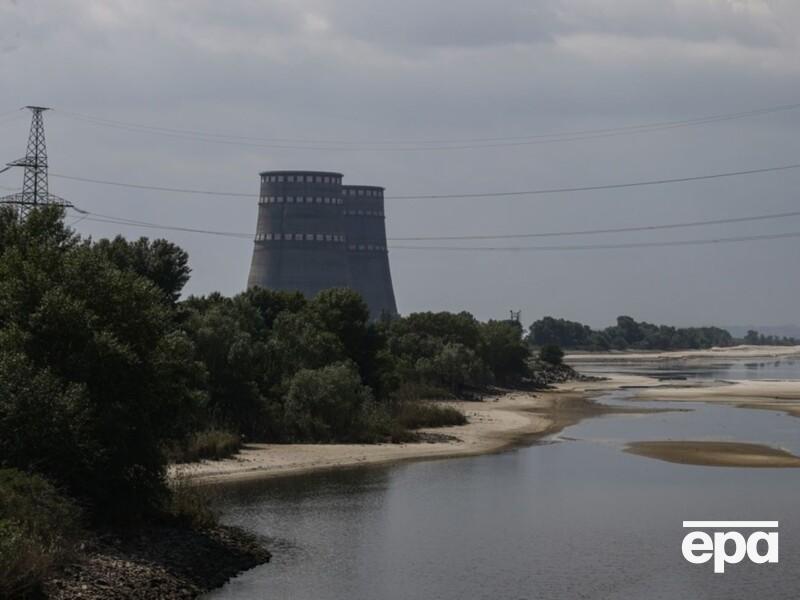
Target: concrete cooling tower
column 314, row 233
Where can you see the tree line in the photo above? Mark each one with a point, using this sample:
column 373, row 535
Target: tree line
column 628, row 334
column 105, row 372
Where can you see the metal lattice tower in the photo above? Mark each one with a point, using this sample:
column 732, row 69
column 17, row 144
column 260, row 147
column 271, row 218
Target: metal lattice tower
column 34, row 186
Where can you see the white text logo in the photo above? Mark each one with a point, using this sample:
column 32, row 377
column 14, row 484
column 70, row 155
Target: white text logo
column 728, row 546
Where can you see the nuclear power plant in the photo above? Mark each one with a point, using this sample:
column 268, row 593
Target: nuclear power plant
column 314, row 233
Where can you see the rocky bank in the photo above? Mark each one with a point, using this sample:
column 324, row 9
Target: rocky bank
column 158, row 562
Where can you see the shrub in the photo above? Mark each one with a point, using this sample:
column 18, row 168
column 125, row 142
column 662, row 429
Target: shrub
column 38, row 527
column 411, row 391
column 212, row 445
column 190, row 504
column 414, row 415
column 327, row 404
column 552, row 354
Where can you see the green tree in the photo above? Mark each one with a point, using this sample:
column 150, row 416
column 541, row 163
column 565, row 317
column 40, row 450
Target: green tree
column 552, row 354
column 504, row 351
column 236, row 361
column 160, row 261
column 328, row 404
column 95, row 347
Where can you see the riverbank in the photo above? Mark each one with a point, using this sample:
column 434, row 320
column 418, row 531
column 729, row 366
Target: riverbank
column 156, row 562
column 494, row 424
column 765, row 395
column 498, row 423
column 730, row 353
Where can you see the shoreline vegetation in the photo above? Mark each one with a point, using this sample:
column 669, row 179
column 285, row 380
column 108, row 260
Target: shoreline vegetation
column 494, row 424
column 107, row 374
column 518, row 417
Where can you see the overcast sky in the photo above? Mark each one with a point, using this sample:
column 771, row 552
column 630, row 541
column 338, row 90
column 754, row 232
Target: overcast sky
column 404, row 73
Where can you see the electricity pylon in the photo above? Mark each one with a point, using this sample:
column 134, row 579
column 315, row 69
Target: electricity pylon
column 34, row 185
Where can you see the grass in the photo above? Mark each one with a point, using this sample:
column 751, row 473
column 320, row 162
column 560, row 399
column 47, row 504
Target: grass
column 415, row 415
column 190, row 504
column 212, row 444
column 38, row 529
column 412, row 391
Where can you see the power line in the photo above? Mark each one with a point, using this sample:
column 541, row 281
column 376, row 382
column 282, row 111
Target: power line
column 102, row 218
column 492, row 194
column 10, row 118
column 6, row 113
column 146, row 225
column 592, row 188
column 392, row 145
column 154, row 187
column 701, row 242
column 601, row 231
column 585, row 247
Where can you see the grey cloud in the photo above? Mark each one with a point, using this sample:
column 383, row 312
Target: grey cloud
column 353, row 69
column 474, row 23
column 442, row 24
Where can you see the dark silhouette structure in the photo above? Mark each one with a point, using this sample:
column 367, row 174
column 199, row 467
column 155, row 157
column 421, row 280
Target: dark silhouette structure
column 34, row 185
column 314, row 233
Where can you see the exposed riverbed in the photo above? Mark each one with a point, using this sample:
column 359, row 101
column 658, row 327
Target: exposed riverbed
column 573, row 516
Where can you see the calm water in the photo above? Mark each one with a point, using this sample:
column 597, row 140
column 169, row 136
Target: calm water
column 573, row 517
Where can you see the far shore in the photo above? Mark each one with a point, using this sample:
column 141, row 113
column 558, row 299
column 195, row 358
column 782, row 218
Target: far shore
column 732, row 352
column 495, row 424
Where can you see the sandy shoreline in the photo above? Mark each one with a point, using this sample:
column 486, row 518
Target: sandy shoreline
column 766, row 395
column 498, row 423
column 494, row 425
column 732, row 353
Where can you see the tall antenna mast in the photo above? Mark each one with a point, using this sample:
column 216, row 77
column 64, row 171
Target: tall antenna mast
column 34, row 185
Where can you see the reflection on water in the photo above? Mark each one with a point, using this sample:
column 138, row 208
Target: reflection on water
column 575, row 519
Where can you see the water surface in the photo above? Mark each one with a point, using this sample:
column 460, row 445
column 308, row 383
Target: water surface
column 573, row 517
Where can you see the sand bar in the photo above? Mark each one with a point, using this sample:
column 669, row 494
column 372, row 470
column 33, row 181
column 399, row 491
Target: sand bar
column 730, row 353
column 716, row 454
column 767, row 395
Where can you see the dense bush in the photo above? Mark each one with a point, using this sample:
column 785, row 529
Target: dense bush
column 210, row 444
column 38, row 528
column 330, row 404
column 94, row 376
column 551, row 354
column 455, row 351
column 190, row 504
column 415, row 415
column 504, row 351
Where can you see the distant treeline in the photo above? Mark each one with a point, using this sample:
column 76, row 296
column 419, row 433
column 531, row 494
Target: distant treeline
column 754, row 338
column 630, row 334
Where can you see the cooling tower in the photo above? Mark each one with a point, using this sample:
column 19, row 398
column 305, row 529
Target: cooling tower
column 313, row 233
column 367, row 255
column 299, row 242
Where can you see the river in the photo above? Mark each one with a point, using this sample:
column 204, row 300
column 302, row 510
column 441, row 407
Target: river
column 569, row 517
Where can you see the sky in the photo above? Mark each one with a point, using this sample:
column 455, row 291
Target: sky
column 390, row 93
